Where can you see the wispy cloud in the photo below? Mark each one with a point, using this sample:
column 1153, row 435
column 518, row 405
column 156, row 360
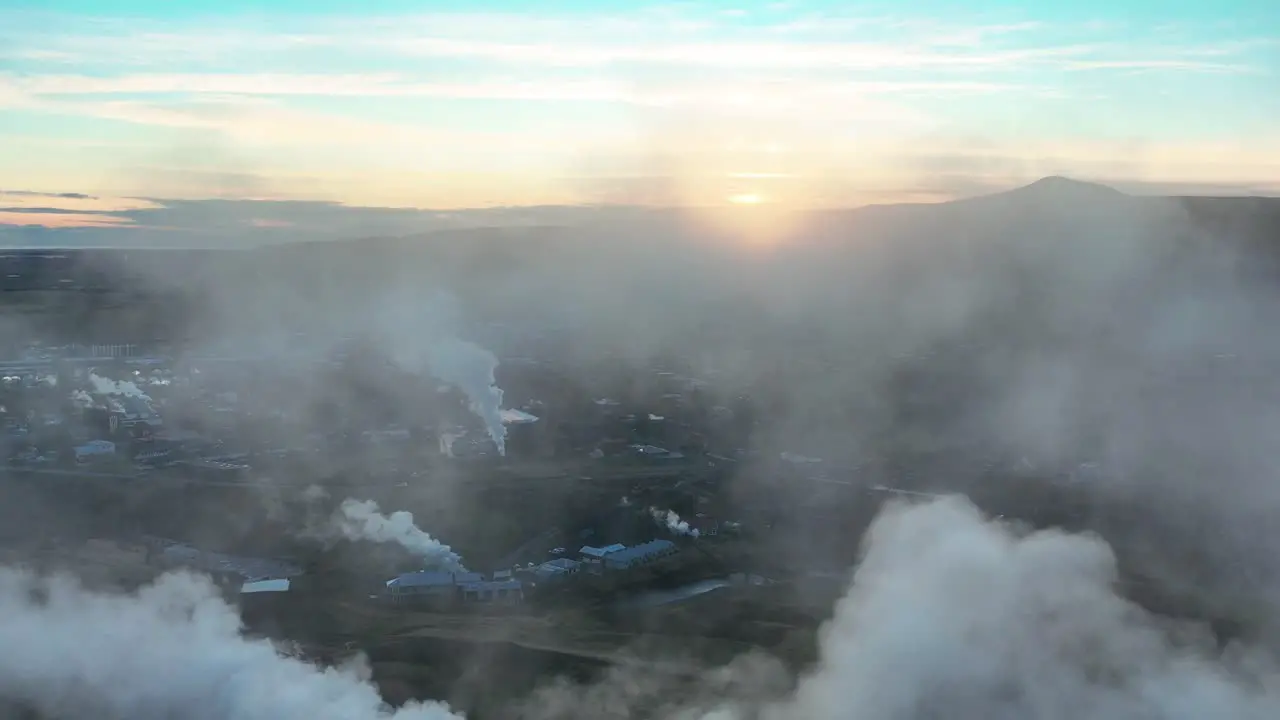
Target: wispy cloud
column 28, row 201
column 832, row 95
column 254, row 109
column 68, row 209
column 1185, row 65
column 401, row 85
column 614, row 42
column 742, row 55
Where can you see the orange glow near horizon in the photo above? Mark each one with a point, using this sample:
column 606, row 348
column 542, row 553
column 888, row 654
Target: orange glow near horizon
column 62, row 220
column 749, row 222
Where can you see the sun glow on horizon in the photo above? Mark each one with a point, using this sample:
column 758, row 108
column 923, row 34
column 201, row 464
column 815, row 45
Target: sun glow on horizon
column 768, row 109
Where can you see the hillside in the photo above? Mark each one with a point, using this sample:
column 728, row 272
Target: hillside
column 566, row 271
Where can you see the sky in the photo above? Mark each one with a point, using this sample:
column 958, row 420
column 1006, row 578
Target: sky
column 502, row 103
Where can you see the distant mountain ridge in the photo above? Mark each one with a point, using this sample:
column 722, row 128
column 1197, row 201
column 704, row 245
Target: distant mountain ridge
column 570, row 271
column 222, row 224
column 1051, row 209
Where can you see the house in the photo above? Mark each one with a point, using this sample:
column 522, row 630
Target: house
column 639, row 555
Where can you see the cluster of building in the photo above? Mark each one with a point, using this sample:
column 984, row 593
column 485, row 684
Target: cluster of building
column 234, row 573
column 621, row 557
column 440, row 590
column 240, row 405
column 55, row 404
column 598, row 560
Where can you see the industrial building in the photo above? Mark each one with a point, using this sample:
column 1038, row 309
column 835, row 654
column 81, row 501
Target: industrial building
column 590, row 553
column 642, row 554
column 428, row 585
column 495, row 592
column 221, row 566
column 94, row 448
column 556, row 570
column 447, row 588
column 621, row 557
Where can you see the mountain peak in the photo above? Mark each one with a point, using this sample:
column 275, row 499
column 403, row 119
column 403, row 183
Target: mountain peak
column 1057, row 185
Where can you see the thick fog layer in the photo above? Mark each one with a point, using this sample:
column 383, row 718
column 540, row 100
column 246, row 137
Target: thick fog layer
column 172, row 650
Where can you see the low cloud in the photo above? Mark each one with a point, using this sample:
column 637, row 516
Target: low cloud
column 27, row 208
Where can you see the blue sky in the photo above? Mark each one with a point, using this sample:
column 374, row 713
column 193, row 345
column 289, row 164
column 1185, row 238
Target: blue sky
column 445, row 105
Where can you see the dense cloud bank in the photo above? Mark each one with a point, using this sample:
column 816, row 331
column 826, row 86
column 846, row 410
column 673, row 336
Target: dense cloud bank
column 172, row 650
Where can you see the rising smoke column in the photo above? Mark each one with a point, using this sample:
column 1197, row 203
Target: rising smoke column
column 471, row 368
column 361, row 520
column 172, row 650
column 672, row 521
column 421, row 333
column 952, row 616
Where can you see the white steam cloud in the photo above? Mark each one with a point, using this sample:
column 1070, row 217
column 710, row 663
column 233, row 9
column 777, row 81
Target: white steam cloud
column 106, row 386
column 950, row 615
column 434, row 346
column 672, row 522
column 471, row 369
column 172, row 650
column 314, row 493
column 82, row 399
column 361, row 520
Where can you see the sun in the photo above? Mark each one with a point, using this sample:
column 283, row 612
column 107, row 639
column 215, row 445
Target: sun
column 746, row 199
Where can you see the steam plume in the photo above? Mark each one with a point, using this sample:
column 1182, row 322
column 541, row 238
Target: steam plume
column 361, row 520
column 672, row 521
column 106, row 386
column 436, row 347
column 314, row 493
column 171, row 650
column 950, row 615
column 471, row 368
column 82, row 399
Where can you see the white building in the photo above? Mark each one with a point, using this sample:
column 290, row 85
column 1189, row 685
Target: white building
column 276, row 585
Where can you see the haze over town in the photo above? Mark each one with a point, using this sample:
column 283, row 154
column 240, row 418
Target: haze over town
column 693, row 361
